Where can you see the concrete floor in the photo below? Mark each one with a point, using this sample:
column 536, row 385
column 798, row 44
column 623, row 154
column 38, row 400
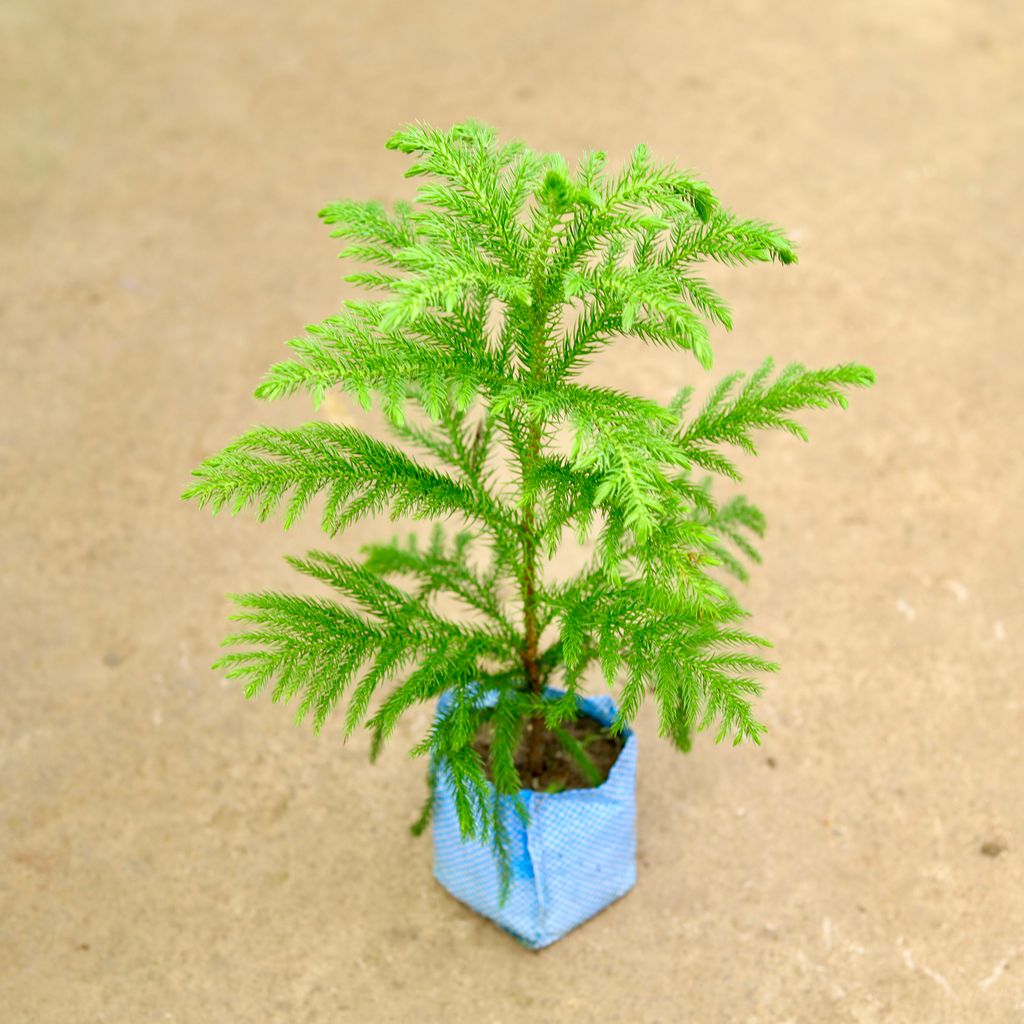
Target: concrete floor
column 171, row 853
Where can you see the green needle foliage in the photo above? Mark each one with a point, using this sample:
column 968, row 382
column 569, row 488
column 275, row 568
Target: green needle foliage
column 500, row 283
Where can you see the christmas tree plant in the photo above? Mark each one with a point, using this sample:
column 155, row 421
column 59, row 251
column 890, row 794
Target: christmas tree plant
column 503, row 279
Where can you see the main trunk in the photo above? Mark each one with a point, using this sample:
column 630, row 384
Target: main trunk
column 531, row 665
column 537, row 350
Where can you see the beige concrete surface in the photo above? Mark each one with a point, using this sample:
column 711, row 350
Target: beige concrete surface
column 170, row 853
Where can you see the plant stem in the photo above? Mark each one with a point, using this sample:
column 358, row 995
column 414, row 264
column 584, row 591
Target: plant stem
column 531, row 668
column 537, row 354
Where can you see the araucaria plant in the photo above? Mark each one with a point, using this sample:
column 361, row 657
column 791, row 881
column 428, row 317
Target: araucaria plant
column 501, row 282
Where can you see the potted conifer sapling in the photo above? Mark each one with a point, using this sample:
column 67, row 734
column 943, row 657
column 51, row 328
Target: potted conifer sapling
column 505, row 277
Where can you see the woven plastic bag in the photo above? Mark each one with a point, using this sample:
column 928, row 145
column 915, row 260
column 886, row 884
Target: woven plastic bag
column 576, row 855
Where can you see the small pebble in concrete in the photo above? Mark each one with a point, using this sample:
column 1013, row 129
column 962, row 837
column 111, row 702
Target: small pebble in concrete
column 993, row 848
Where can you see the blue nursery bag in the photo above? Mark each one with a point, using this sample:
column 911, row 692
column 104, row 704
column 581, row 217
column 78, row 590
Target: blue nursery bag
column 576, row 855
